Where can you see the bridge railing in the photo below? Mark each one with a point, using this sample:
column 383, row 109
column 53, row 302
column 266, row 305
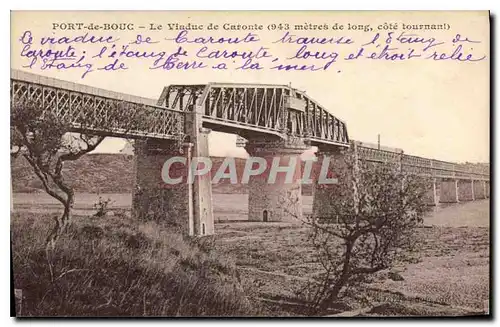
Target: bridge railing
column 376, row 155
column 89, row 107
column 423, row 166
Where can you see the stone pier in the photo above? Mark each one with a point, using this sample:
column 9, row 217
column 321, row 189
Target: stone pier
column 279, row 200
column 152, row 198
column 448, row 191
column 465, row 190
column 323, row 193
column 479, row 189
column 186, row 206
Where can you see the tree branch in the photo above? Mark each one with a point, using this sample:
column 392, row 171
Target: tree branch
column 43, row 178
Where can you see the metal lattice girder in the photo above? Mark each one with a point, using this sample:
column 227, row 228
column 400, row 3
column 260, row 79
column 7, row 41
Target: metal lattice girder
column 320, row 125
column 423, row 166
column 82, row 103
column 270, row 109
column 181, row 97
column 258, row 107
column 376, row 155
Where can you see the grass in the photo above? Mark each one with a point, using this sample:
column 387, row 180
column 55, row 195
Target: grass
column 115, row 267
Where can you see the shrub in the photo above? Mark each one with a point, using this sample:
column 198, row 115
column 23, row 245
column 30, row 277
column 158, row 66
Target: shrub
column 115, row 267
column 374, row 212
column 102, row 206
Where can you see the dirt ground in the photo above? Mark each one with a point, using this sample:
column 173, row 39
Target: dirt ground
column 450, row 278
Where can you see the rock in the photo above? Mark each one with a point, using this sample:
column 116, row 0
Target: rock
column 395, row 276
column 110, row 214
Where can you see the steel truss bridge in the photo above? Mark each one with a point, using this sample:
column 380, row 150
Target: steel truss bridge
column 276, row 110
column 271, row 110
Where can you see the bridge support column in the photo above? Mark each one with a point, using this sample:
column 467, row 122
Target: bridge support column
column 186, row 206
column 448, row 191
column 465, row 190
column 432, row 196
column 479, row 189
column 281, row 199
column 155, row 200
column 324, row 193
column 487, row 189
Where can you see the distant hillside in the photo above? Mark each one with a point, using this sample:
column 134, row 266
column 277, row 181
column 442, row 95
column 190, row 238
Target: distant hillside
column 108, row 173
column 104, row 173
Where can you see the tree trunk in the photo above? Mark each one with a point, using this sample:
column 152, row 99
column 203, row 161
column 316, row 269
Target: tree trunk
column 333, row 293
column 61, row 222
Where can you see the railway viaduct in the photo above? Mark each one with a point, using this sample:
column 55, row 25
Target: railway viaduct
column 275, row 121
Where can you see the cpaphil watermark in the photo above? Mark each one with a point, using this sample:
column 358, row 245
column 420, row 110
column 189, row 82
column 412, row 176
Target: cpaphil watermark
column 282, row 170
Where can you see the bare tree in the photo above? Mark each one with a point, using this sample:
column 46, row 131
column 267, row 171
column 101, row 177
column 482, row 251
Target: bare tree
column 47, row 140
column 377, row 208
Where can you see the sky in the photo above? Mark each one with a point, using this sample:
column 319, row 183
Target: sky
column 434, row 109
